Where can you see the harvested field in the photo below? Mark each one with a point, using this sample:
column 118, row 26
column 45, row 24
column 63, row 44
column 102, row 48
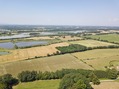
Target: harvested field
column 98, row 58
column 43, row 64
column 91, row 43
column 21, row 54
column 107, row 85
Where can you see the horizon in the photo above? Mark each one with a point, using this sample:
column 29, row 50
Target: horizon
column 63, row 12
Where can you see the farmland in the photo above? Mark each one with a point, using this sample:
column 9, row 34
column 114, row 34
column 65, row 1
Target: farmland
column 98, row 58
column 44, row 64
column 21, row 54
column 108, row 37
column 91, row 43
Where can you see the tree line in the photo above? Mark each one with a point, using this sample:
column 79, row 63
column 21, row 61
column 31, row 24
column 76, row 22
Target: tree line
column 7, row 80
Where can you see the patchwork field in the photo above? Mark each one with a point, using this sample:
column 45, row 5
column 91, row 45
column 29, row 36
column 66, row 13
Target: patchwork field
column 44, row 84
column 43, row 64
column 98, row 58
column 108, row 37
column 91, row 43
column 21, row 54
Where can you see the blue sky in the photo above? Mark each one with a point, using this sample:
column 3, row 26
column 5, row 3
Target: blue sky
column 60, row 12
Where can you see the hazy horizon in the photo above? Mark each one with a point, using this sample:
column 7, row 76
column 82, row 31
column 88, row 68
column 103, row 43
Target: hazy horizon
column 62, row 12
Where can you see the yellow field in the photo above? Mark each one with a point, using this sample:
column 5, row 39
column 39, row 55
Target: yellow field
column 91, row 43
column 22, row 54
column 98, row 58
column 43, row 64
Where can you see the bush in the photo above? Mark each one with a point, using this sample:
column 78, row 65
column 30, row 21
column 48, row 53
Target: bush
column 74, row 81
column 72, row 48
column 27, row 76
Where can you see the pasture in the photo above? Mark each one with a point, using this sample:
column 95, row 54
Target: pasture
column 54, row 84
column 21, row 54
column 108, row 37
column 52, row 63
column 98, row 58
column 42, row 84
column 91, row 43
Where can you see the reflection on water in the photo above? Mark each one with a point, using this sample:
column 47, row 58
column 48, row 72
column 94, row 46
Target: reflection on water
column 10, row 45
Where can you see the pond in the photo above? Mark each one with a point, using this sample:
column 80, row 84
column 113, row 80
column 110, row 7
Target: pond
column 10, row 45
column 3, row 53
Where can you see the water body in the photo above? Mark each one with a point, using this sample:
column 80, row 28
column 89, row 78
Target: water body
column 23, row 35
column 3, row 53
column 10, row 45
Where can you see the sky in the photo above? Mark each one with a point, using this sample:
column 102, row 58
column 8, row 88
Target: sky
column 60, row 12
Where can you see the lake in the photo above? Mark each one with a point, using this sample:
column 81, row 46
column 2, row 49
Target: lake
column 10, row 45
column 22, row 35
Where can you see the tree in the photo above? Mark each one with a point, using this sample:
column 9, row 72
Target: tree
column 94, row 79
column 3, row 86
column 8, row 80
column 112, row 73
column 74, row 81
column 79, row 85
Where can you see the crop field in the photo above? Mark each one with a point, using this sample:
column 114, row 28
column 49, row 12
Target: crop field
column 98, row 58
column 91, row 43
column 108, row 37
column 43, row 84
column 21, row 54
column 44, row 64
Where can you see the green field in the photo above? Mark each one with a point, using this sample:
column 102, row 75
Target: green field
column 108, row 37
column 98, row 58
column 54, row 84
column 42, row 84
column 43, row 64
column 91, row 43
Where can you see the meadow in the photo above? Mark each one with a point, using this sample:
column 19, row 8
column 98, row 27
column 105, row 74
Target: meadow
column 98, row 58
column 42, row 84
column 54, row 84
column 91, row 43
column 108, row 37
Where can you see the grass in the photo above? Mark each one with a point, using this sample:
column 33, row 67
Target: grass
column 53, row 63
column 54, row 84
column 91, row 43
column 42, row 84
column 98, row 58
column 108, row 37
